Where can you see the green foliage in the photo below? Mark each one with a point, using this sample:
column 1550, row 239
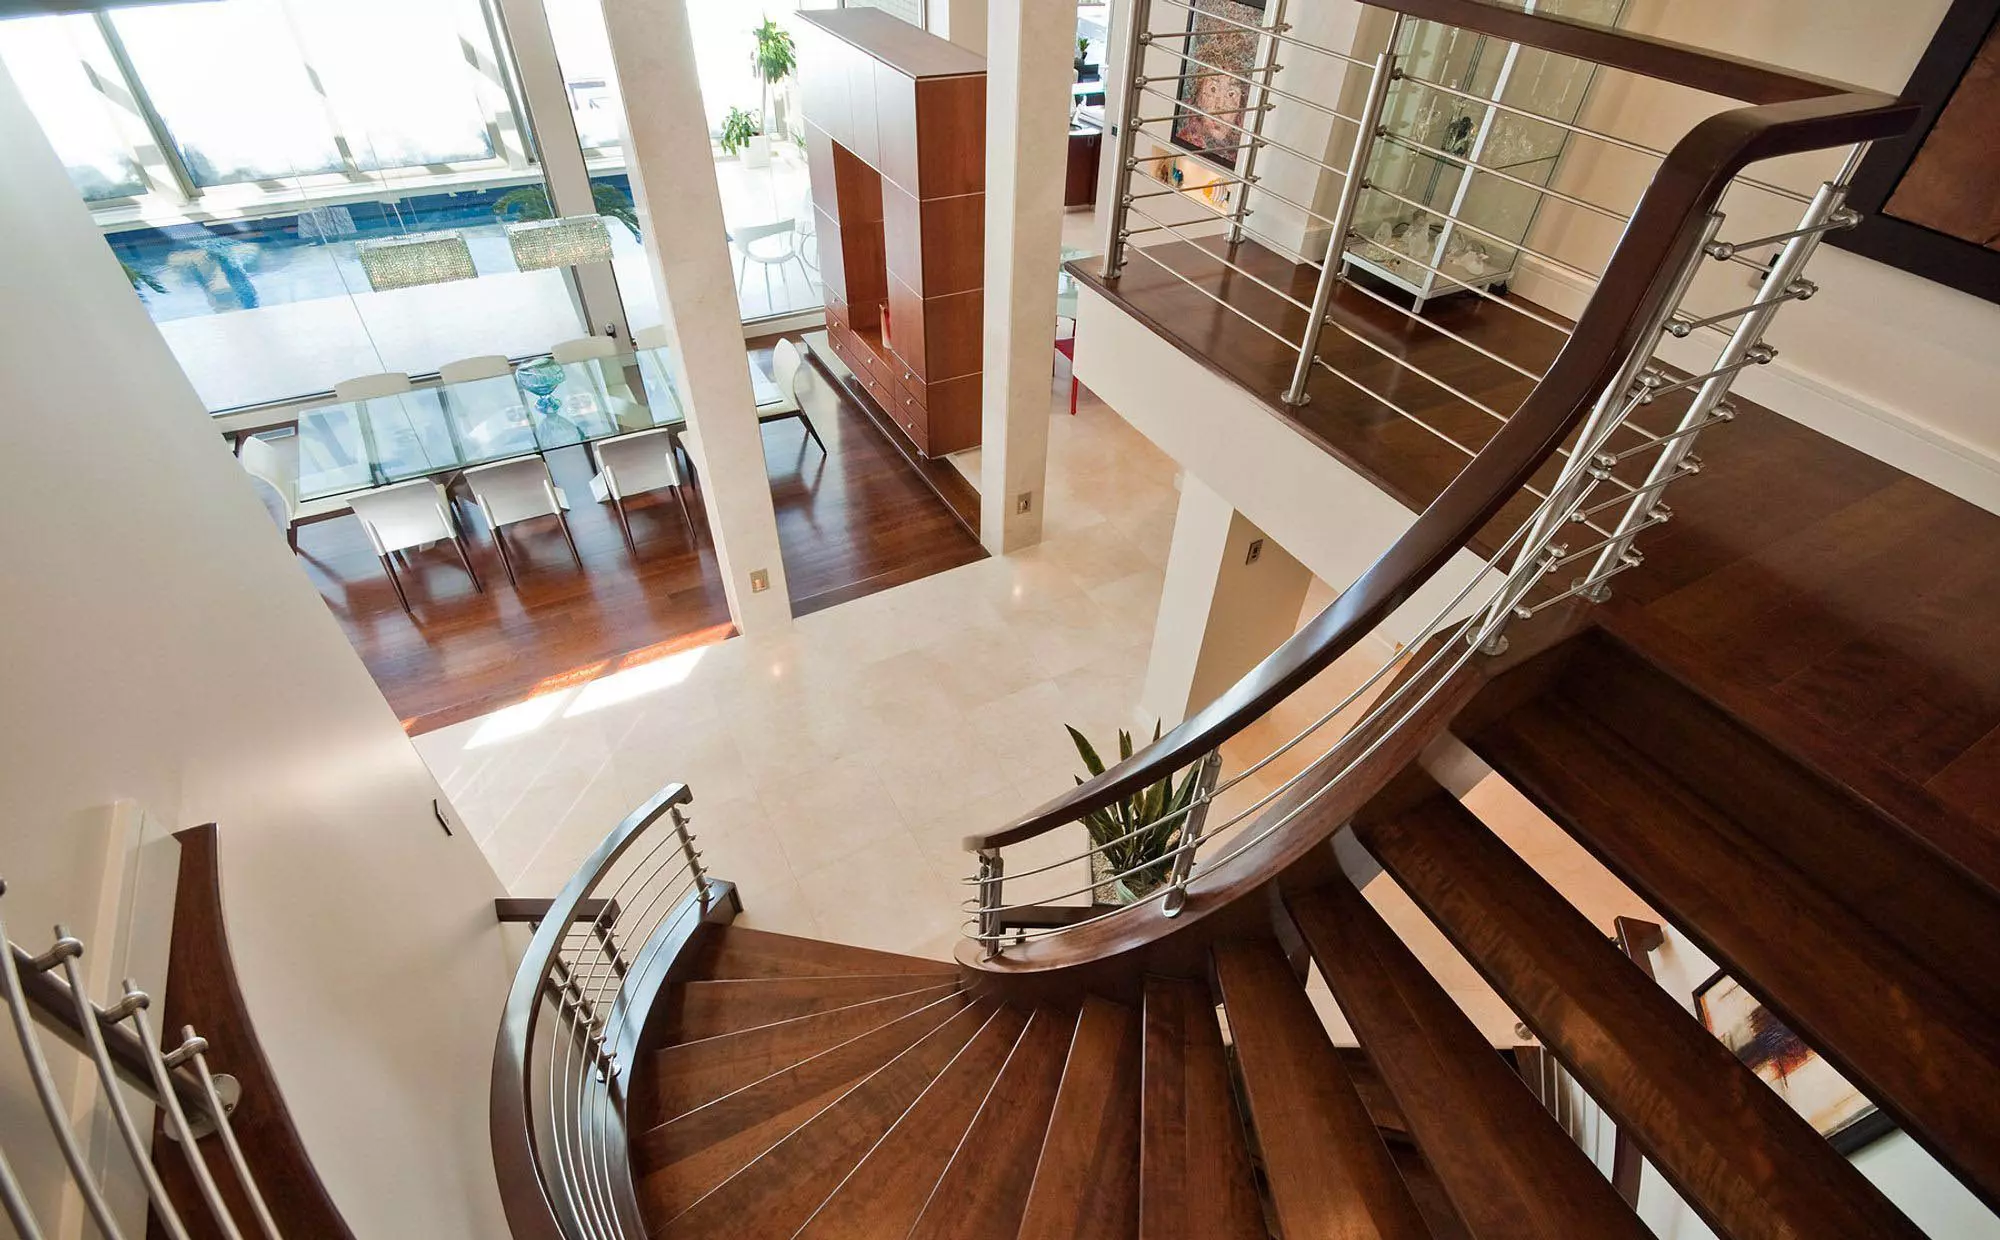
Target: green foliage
column 1082, row 48
column 1152, row 817
column 738, row 127
column 141, row 279
column 775, row 57
column 531, row 202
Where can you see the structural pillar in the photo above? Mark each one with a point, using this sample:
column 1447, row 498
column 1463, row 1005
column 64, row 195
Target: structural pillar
column 680, row 218
column 1231, row 596
column 961, row 21
column 1030, row 51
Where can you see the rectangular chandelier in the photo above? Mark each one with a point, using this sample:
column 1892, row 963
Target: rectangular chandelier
column 565, row 242
column 419, row 258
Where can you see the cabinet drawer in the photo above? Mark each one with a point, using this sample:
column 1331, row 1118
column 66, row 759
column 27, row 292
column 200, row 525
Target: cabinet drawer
column 913, row 419
column 884, row 375
column 911, row 386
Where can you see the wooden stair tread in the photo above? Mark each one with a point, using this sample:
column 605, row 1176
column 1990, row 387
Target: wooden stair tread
column 1745, row 906
column 680, row 1160
column 1195, row 1181
column 1086, row 1183
column 780, row 1189
column 985, row 1188
column 1508, row 1169
column 736, row 952
column 706, row 1009
column 1327, row 1170
column 889, row 1187
column 1698, row 1113
column 688, row 1074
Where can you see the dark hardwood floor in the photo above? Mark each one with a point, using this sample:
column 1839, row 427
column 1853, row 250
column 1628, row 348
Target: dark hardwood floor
column 852, row 522
column 1850, row 605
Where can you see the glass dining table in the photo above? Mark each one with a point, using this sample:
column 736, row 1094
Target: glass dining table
column 543, row 405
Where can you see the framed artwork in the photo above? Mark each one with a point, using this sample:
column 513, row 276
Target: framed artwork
column 1764, row 1045
column 1217, row 40
column 1931, row 199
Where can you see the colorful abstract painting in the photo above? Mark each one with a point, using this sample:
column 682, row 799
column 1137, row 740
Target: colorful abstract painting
column 1211, row 115
column 1762, row 1042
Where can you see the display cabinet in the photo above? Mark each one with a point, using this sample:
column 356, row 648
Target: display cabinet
column 1426, row 222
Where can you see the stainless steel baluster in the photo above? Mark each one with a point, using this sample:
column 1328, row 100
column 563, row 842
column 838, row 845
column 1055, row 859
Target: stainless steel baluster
column 1254, row 102
column 44, row 1081
column 88, row 1016
column 1197, row 817
column 15, row 1202
column 1138, row 37
column 134, row 1006
column 223, row 1129
column 688, row 851
column 1343, row 215
column 991, row 870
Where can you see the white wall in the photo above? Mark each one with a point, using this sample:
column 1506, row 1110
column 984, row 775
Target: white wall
column 161, row 645
column 1894, row 365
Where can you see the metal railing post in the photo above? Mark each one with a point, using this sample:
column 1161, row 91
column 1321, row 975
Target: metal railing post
column 1748, row 337
column 688, row 850
column 1138, row 36
column 1197, row 817
column 991, row 871
column 1254, row 102
column 1343, row 215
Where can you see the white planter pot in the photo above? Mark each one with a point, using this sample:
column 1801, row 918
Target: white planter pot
column 758, row 153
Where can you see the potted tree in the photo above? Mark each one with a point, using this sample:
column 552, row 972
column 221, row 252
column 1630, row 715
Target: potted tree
column 773, row 61
column 739, row 130
column 1135, row 838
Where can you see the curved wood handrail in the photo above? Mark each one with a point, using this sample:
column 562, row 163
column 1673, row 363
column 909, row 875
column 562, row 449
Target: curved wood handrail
column 511, row 1122
column 1805, row 114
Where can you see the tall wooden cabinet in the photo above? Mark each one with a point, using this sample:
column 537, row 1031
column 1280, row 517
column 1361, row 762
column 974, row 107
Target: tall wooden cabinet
column 896, row 141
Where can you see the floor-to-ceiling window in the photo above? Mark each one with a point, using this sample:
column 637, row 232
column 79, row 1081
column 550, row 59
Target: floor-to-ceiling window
column 243, row 155
column 756, row 137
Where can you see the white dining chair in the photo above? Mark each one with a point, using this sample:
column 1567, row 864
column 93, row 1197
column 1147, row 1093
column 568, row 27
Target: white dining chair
column 659, row 336
column 406, row 515
column 465, row 370
column 632, row 465
column 785, row 365
column 512, row 491
column 273, row 466
column 783, row 248
column 371, row 387
column 584, row 349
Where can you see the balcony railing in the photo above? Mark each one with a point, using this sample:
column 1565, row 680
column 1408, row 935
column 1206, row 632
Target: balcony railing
column 1587, row 454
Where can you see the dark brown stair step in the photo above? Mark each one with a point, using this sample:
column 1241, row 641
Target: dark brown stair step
column 1195, row 1181
column 777, row 1192
column 1087, row 1178
column 739, row 952
column 698, row 1010
column 887, row 1190
column 689, row 1074
column 1509, row 1170
column 1907, row 1039
column 1327, row 1169
column 983, row 1192
column 1748, row 1163
column 684, row 1158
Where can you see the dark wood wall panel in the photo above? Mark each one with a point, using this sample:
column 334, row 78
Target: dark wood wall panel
column 951, row 136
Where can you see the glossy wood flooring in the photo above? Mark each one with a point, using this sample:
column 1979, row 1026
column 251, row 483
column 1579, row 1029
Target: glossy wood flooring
column 852, row 522
column 1850, row 605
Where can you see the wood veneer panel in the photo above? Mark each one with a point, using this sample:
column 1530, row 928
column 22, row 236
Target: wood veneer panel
column 954, row 408
column 864, row 136
column 985, row 1189
column 889, row 1187
column 954, row 244
column 909, row 331
column 909, row 48
column 951, row 136
column 740, row 952
column 1324, row 1162
column 954, row 335
column 903, row 247
column 202, row 991
column 1087, row 1178
column 820, row 168
column 823, row 83
column 1731, row 1146
column 1510, row 1171
column 896, row 121
column 1194, row 1171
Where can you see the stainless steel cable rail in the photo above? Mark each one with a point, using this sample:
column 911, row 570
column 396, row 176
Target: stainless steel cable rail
column 122, row 1048
column 1578, row 530
column 574, row 1018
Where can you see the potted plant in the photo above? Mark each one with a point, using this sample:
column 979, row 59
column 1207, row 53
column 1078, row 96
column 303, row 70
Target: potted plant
column 773, row 61
column 739, row 130
column 1128, row 869
column 1082, row 58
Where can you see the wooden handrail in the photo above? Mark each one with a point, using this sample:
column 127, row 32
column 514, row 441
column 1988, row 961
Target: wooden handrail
column 1793, row 114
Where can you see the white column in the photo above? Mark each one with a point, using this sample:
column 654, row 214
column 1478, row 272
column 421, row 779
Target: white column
column 1232, row 594
column 1030, row 51
column 546, row 97
column 680, row 215
column 961, row 21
